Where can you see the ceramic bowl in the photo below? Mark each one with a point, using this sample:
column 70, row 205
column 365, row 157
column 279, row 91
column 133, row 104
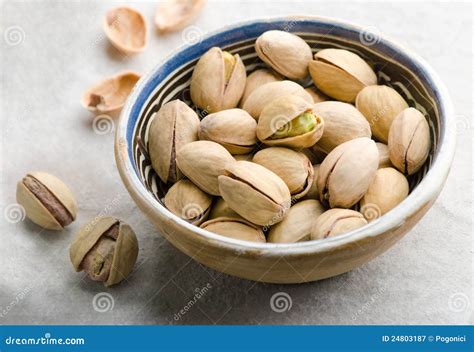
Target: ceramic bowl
column 395, row 65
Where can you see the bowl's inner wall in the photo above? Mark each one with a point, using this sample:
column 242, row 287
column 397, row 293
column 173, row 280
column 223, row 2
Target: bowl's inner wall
column 171, row 81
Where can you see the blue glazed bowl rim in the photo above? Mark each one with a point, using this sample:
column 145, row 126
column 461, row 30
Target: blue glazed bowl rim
column 426, row 191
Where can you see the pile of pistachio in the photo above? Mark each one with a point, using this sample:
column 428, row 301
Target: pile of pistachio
column 272, row 161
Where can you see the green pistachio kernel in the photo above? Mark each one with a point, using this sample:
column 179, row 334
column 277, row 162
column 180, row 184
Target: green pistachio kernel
column 229, row 63
column 300, row 125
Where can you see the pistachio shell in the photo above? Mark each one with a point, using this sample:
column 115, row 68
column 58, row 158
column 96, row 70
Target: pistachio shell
column 313, row 192
column 346, row 173
column 173, row 15
column 220, row 209
column 246, row 157
column 409, row 141
column 234, row 129
column 341, row 74
column 388, row 189
column 257, row 79
column 297, row 224
column 122, row 250
column 294, row 168
column 266, row 93
column 384, row 157
column 47, row 201
column 336, row 222
column 202, row 162
column 285, row 52
column 254, row 192
column 126, row 29
column 236, row 228
column 278, row 113
column 210, row 90
column 187, row 201
column 380, row 105
column 316, row 94
column 174, row 126
column 342, row 122
column 109, row 95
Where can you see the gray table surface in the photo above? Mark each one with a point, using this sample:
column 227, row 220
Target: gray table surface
column 52, row 50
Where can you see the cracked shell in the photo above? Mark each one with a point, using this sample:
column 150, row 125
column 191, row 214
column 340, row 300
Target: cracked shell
column 336, row 222
column 235, row 227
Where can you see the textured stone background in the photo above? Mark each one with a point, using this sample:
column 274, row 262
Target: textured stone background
column 51, row 51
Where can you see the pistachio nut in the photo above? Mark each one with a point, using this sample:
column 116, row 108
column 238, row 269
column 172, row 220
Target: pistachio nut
column 384, row 157
column 293, row 167
column 187, row 201
column 341, row 74
column 313, row 189
column 380, row 105
column 234, row 129
column 47, row 201
column 220, row 209
column 316, row 94
column 257, row 79
column 235, row 227
column 297, row 224
column 247, row 157
column 315, row 154
column 342, row 122
column 218, row 81
column 285, row 52
column 106, row 249
column 290, row 121
column 173, row 15
column 336, row 222
column 409, row 141
column 268, row 92
column 254, row 192
column 346, row 173
column 202, row 162
column 175, row 125
column 388, row 189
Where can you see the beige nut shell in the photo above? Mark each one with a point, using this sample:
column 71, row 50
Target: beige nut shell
column 257, row 79
column 173, row 15
column 336, row 222
column 235, row 227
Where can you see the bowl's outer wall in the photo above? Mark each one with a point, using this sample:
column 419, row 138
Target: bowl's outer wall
column 278, row 265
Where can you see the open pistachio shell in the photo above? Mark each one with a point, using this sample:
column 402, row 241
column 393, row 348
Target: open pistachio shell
column 285, row 52
column 234, row 129
column 384, row 157
column 268, row 92
column 297, row 224
column 218, row 81
column 187, row 201
column 126, row 29
column 47, row 201
column 173, row 15
column 336, row 222
column 220, row 209
column 257, row 79
column 109, row 95
column 279, row 119
column 175, row 125
column 409, row 141
column 234, row 227
column 341, row 74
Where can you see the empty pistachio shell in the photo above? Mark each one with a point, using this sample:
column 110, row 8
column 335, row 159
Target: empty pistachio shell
column 409, row 141
column 293, row 167
column 218, row 81
column 380, row 105
column 266, row 93
column 234, row 129
column 342, row 122
column 106, row 249
column 175, row 125
column 386, row 191
column 47, row 201
column 384, row 157
column 313, row 192
column 297, row 224
column 341, row 74
column 316, row 94
column 173, row 15
column 109, row 95
column 257, row 79
column 290, row 121
column 254, row 192
column 346, row 173
column 336, row 222
column 285, row 52
column 188, row 202
column 202, row 162
column 220, row 209
column 126, row 29
column 237, row 228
